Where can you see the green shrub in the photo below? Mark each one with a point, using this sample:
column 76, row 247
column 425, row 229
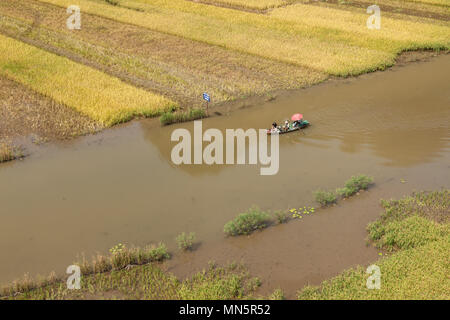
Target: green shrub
column 355, row 184
column 278, row 294
column 185, row 241
column 167, row 118
column 281, row 216
column 324, row 198
column 175, row 117
column 247, row 222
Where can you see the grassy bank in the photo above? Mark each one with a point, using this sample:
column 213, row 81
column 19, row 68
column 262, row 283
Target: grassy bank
column 416, row 229
column 150, row 282
column 101, row 97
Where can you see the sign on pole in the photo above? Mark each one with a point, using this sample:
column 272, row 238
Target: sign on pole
column 207, row 98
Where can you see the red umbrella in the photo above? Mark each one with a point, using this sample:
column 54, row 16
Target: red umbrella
column 297, row 117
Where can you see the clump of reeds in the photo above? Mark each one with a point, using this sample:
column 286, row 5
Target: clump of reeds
column 175, row 117
column 8, row 153
column 121, row 256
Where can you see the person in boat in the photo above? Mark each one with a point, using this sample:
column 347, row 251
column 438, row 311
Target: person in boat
column 274, row 128
column 286, row 125
column 297, row 123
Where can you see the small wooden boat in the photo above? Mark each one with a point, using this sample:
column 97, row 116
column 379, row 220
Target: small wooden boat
column 302, row 125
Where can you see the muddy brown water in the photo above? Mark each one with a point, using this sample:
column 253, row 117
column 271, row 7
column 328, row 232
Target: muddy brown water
column 121, row 186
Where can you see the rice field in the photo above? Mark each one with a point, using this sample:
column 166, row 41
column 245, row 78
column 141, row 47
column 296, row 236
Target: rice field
column 152, row 60
column 338, row 48
column 95, row 94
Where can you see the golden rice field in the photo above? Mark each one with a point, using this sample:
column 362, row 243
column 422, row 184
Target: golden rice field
column 101, row 97
column 339, row 44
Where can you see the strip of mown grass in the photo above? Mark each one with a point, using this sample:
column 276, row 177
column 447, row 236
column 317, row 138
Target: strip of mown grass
column 417, row 228
column 283, row 35
column 99, row 96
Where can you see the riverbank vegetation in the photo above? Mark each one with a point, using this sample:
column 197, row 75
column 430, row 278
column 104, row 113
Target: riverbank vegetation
column 8, row 152
column 354, row 185
column 147, row 282
column 185, row 241
column 351, row 187
column 415, row 232
column 182, row 116
column 325, row 198
column 247, row 222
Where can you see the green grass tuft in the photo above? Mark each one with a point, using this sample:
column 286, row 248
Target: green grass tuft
column 176, row 117
column 355, row 184
column 247, row 222
column 325, row 198
column 185, row 241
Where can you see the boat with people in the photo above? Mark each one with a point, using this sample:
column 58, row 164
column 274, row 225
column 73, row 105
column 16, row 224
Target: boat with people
column 297, row 122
